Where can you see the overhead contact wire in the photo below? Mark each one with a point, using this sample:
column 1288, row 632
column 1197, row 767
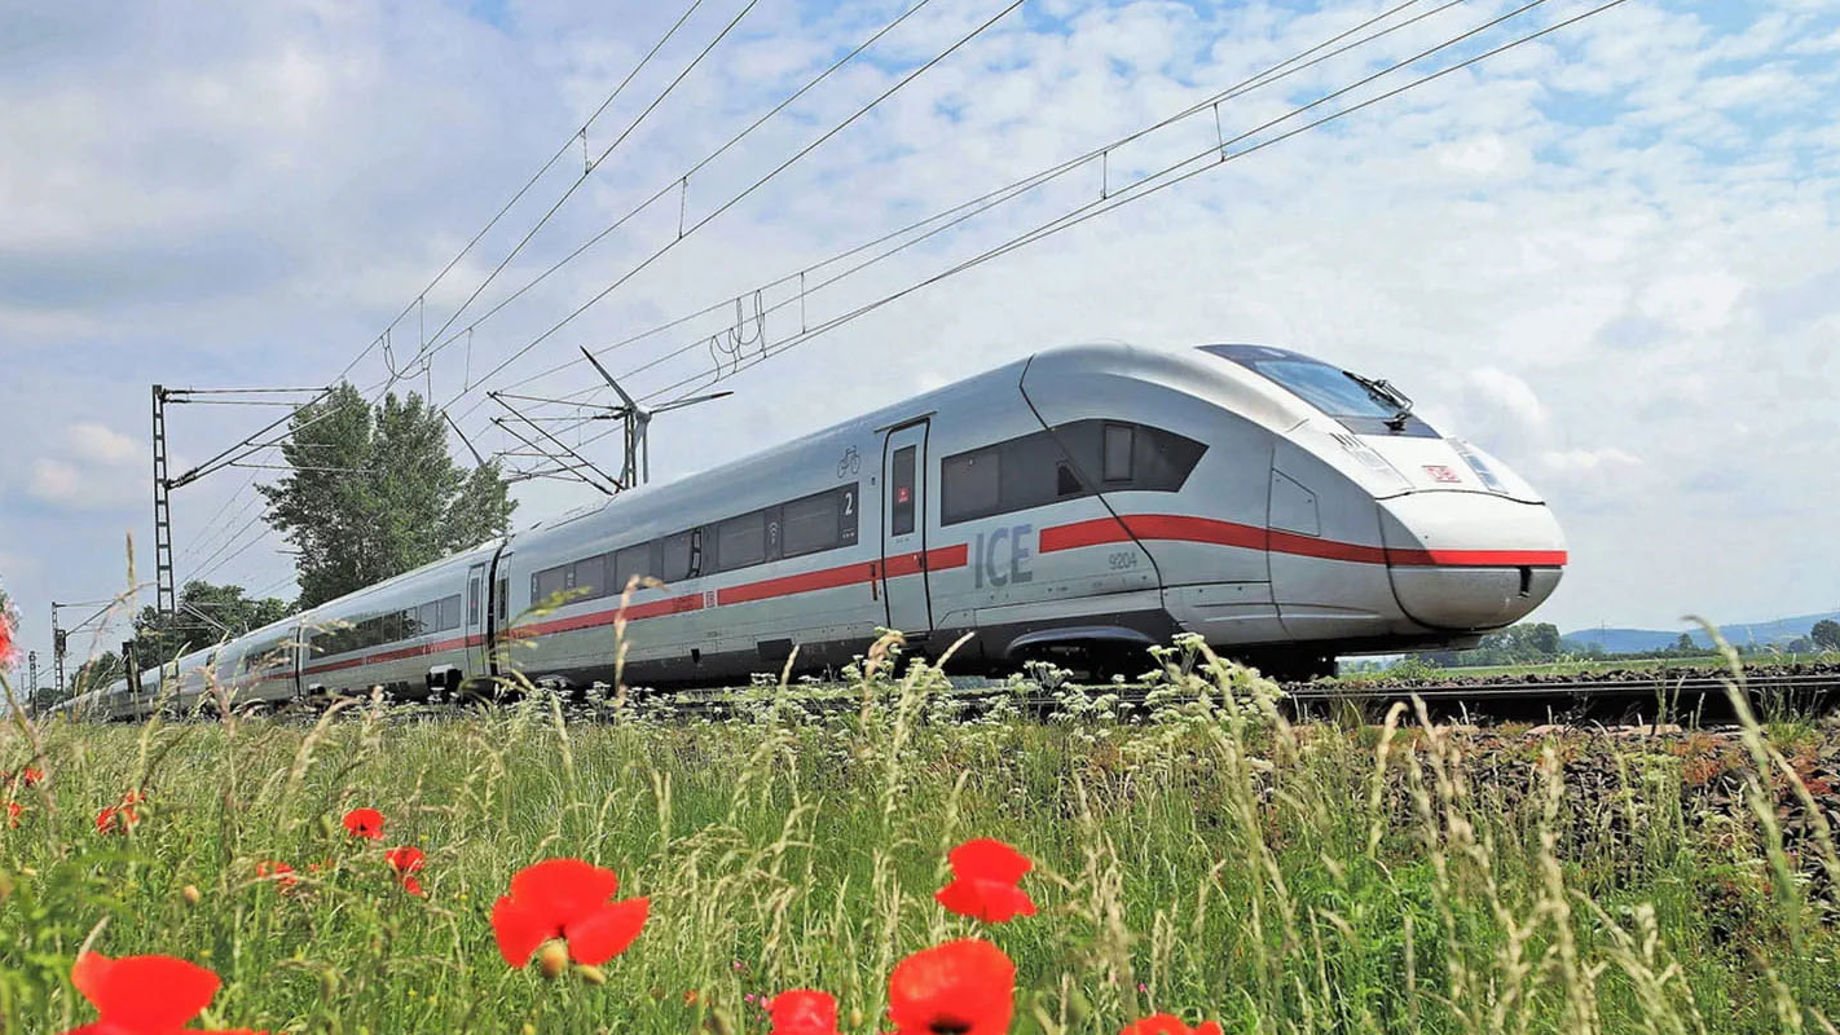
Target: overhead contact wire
column 756, row 185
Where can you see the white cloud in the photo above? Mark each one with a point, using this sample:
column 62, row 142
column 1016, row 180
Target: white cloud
column 55, row 481
column 1608, row 460
column 1591, row 256
column 104, row 445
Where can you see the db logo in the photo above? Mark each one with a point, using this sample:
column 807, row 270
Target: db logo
column 1440, row 473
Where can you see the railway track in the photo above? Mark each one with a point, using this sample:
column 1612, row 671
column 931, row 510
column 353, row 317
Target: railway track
column 1624, row 697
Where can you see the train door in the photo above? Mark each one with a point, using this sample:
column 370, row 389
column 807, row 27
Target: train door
column 904, row 576
column 478, row 605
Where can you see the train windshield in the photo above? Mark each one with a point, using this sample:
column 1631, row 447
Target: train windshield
column 1361, row 403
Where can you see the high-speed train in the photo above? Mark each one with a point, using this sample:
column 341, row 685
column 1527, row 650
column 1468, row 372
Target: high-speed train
column 1078, row 505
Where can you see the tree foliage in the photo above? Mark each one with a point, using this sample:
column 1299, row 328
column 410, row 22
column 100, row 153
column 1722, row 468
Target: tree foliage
column 203, row 608
column 1528, row 642
column 1826, row 634
column 373, row 493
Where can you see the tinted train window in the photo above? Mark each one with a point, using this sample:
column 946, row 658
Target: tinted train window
column 812, row 524
column 630, row 563
column 901, row 489
column 742, row 541
column 677, row 555
column 971, row 485
column 449, row 612
column 546, row 584
column 591, row 578
column 472, row 602
column 430, row 619
column 1064, row 463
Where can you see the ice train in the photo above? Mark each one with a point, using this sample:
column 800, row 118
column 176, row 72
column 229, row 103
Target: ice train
column 1080, row 504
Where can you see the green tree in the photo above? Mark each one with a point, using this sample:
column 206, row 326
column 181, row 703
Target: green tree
column 101, row 670
column 374, row 493
column 1825, row 634
column 1684, row 645
column 206, row 614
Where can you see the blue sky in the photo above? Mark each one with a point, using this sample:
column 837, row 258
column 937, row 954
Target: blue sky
column 1610, row 256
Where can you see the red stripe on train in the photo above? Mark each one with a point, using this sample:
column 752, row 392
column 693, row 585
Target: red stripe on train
column 1185, row 528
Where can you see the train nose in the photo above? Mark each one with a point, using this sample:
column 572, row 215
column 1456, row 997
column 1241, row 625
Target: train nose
column 1470, row 561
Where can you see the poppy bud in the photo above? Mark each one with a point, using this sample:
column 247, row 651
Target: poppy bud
column 552, row 959
column 529, row 1028
column 856, row 1017
column 592, row 975
column 191, row 894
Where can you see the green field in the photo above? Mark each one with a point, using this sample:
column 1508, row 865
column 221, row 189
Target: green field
column 1215, row 863
column 1583, row 666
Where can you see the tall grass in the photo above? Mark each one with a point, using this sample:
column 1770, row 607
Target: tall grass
column 1214, row 861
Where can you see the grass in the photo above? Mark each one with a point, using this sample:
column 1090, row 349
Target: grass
column 1215, row 862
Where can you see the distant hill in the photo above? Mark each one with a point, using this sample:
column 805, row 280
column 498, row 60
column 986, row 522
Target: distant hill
column 1628, row 641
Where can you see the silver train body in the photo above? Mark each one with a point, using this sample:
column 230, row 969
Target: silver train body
column 1081, row 504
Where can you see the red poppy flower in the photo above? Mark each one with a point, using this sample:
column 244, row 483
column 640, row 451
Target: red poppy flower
column 365, row 823
column 964, row 987
column 119, row 819
column 804, row 1011
column 144, row 995
column 279, row 872
column 29, row 776
column 407, row 862
column 1169, row 1024
column 13, row 811
column 567, row 899
column 985, row 875
column 6, row 639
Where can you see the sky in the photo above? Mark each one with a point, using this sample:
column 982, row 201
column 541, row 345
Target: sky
column 1610, row 255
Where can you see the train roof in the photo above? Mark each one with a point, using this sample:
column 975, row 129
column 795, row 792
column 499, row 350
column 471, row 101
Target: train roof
column 1254, row 396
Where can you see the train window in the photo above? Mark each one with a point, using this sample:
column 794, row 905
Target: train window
column 1120, row 441
column 741, row 541
column 503, row 601
column 398, row 625
column 971, row 485
column 901, row 489
column 472, row 602
column 1064, row 463
column 676, row 559
column 546, row 584
column 450, row 612
column 590, row 577
column 428, row 619
column 634, row 561
column 813, row 523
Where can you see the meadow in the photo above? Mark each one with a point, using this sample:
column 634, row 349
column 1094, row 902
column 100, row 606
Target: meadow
column 1209, row 860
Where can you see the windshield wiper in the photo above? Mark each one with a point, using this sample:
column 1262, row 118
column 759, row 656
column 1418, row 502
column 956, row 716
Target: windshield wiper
column 1383, row 392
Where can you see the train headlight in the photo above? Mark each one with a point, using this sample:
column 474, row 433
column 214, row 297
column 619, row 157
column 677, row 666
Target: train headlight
column 1372, row 460
column 1476, row 463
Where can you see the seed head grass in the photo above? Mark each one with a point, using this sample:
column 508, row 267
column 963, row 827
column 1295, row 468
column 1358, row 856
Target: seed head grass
column 1207, row 859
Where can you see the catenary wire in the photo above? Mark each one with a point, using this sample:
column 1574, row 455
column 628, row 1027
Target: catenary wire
column 424, row 353
column 1119, row 199
column 749, row 190
column 680, row 181
column 567, row 146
